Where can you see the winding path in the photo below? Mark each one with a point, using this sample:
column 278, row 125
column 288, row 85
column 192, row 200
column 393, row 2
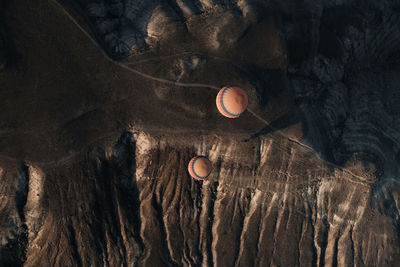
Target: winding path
column 359, row 179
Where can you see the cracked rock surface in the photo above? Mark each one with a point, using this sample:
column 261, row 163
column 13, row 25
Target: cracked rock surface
column 93, row 155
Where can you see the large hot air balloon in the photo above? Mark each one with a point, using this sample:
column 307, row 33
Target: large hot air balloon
column 232, row 101
column 199, row 167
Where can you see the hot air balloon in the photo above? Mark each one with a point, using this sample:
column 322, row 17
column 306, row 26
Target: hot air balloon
column 199, row 167
column 232, row 101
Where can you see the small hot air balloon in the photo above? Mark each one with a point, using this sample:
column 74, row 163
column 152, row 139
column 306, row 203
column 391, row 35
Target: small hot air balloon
column 232, row 101
column 199, row 167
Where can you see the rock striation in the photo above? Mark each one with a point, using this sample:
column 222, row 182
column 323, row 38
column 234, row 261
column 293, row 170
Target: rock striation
column 93, row 156
column 273, row 202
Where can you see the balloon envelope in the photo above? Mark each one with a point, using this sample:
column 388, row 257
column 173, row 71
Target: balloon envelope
column 231, row 101
column 199, row 167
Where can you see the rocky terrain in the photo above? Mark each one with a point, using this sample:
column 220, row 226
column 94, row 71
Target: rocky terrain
column 103, row 104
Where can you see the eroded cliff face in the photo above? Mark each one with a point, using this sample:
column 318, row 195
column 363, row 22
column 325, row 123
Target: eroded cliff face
column 267, row 202
column 93, row 158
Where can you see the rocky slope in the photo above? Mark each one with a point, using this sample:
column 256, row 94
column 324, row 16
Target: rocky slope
column 93, row 155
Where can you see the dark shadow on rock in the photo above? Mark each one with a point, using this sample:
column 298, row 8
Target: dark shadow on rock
column 269, row 83
column 14, row 253
column 338, row 70
column 280, row 123
column 128, row 194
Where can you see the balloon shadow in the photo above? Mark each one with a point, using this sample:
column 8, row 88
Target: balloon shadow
column 287, row 120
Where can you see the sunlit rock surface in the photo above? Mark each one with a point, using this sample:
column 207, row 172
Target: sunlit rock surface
column 93, row 157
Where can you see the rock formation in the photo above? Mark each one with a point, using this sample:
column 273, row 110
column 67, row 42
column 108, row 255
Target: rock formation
column 109, row 100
